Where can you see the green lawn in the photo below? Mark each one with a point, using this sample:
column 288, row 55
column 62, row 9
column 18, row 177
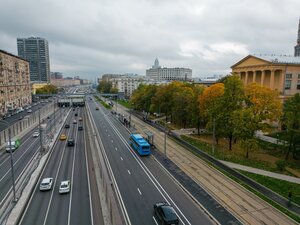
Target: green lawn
column 102, row 102
column 279, row 186
column 124, row 103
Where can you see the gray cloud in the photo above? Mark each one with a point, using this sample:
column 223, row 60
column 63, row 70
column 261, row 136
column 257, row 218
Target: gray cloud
column 92, row 37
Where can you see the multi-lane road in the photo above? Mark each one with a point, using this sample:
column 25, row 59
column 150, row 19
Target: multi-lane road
column 64, row 163
column 141, row 181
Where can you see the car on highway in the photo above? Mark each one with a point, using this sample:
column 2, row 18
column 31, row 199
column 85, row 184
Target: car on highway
column 63, row 137
column 29, row 111
column 80, row 127
column 80, row 119
column 71, row 142
column 46, row 184
column 165, row 214
column 76, row 114
column 64, row 187
column 36, row 134
column 67, row 125
column 74, row 121
column 97, row 108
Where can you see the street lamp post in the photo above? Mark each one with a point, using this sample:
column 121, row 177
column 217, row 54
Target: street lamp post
column 40, row 131
column 11, row 160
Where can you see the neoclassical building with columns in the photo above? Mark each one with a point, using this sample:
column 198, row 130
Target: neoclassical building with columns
column 281, row 73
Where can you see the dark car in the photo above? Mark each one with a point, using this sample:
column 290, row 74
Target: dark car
column 165, row 213
column 80, row 127
column 71, row 142
column 67, row 126
column 97, row 108
column 76, row 114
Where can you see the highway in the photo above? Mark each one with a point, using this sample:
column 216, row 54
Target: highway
column 64, row 163
column 22, row 157
column 141, row 181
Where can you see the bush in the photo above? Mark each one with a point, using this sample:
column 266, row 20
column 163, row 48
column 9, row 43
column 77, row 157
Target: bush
column 281, row 164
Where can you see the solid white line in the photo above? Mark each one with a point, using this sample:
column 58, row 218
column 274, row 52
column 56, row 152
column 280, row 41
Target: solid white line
column 52, row 191
column 154, row 220
column 88, row 178
column 110, row 171
column 139, row 191
column 149, row 174
column 8, row 158
column 15, row 163
column 116, row 149
column 129, row 172
column 72, row 177
column 121, row 158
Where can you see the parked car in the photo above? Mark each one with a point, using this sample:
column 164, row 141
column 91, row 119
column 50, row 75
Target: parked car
column 165, row 213
column 46, row 184
column 64, row 187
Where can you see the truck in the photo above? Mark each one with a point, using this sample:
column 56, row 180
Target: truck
column 15, row 143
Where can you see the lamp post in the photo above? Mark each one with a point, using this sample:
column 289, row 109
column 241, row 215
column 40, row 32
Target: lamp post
column 11, row 160
column 40, row 131
column 165, row 141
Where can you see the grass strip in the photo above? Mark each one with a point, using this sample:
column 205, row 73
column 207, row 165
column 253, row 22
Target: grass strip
column 107, row 106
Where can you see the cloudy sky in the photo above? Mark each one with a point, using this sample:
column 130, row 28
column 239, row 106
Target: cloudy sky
column 92, row 37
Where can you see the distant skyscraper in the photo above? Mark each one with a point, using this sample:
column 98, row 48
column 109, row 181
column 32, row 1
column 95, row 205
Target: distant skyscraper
column 297, row 47
column 36, row 51
column 156, row 64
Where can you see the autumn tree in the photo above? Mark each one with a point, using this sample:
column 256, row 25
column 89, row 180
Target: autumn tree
column 292, row 121
column 261, row 108
column 104, row 86
column 230, row 101
column 47, row 89
column 209, row 106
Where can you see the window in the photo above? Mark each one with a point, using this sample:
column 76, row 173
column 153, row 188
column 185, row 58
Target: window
column 288, row 84
column 298, row 85
column 298, row 76
column 288, row 76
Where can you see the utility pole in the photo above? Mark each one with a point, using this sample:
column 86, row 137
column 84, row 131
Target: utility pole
column 40, row 130
column 214, row 136
column 12, row 165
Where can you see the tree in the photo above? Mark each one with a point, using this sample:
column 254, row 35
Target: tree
column 292, row 121
column 104, row 86
column 230, row 101
column 47, row 89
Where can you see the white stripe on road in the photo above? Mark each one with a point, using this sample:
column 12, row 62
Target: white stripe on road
column 121, row 158
column 139, row 191
column 129, row 172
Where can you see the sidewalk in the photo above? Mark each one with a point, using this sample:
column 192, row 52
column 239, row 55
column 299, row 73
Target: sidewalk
column 262, row 172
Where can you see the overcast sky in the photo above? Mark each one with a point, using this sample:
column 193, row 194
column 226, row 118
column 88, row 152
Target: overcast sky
column 93, row 37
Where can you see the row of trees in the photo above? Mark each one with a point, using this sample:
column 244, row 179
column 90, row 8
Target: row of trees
column 106, row 87
column 48, row 89
column 232, row 110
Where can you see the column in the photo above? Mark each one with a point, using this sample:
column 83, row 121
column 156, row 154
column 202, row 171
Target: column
column 262, row 77
column 254, row 77
column 272, row 79
column 246, row 77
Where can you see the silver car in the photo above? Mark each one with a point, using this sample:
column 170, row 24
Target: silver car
column 64, row 187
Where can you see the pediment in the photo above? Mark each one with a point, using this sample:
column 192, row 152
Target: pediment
column 250, row 61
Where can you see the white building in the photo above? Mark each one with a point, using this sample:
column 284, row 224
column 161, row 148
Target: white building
column 126, row 83
column 168, row 74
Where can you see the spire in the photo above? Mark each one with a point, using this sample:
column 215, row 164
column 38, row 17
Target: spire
column 156, row 64
column 297, row 47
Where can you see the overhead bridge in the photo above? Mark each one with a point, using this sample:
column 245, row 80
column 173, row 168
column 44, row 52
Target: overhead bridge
column 71, row 100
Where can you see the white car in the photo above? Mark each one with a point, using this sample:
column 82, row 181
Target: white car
column 46, row 184
column 36, row 134
column 64, row 187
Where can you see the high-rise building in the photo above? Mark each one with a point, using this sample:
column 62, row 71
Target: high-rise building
column 168, row 74
column 297, row 47
column 36, row 51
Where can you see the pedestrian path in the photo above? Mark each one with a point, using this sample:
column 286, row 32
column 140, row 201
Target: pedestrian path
column 262, row 172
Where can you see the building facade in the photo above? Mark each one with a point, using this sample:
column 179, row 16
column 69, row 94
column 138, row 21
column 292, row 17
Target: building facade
column 15, row 88
column 281, row 73
column 36, row 51
column 158, row 73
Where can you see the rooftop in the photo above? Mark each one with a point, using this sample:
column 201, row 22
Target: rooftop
column 285, row 59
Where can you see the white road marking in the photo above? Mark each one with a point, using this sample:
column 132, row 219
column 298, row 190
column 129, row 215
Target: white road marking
column 121, row 158
column 112, row 141
column 139, row 191
column 154, row 220
column 116, row 149
column 129, row 172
